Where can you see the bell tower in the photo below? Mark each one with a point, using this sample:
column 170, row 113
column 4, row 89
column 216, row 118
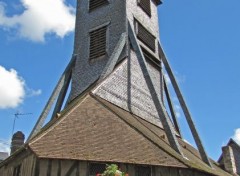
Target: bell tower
column 118, row 58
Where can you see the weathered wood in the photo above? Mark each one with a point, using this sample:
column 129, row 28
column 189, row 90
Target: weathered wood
column 157, row 102
column 43, row 166
column 184, row 107
column 83, row 168
column 65, row 166
column 59, row 168
column 37, row 169
column 49, row 169
column 131, row 169
column 62, row 94
column 72, row 168
column 171, row 107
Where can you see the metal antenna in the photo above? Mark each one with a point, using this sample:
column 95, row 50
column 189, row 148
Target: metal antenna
column 16, row 115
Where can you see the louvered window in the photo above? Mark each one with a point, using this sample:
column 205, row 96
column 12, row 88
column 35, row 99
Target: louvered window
column 98, row 42
column 145, row 36
column 96, row 168
column 93, row 4
column 145, row 5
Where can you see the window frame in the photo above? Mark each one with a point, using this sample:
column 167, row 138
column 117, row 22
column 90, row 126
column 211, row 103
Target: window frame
column 106, row 41
column 147, row 10
column 97, row 7
column 136, row 25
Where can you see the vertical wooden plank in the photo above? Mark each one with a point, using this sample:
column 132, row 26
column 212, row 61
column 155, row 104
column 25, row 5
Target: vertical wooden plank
column 37, row 166
column 78, row 169
column 59, row 168
column 49, row 168
column 83, row 168
column 164, row 171
column 131, row 169
column 43, row 167
column 54, row 171
column 65, row 166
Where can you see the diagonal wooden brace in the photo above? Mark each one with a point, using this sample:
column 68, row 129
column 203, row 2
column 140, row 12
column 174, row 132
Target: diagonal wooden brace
column 184, row 107
column 51, row 101
column 171, row 107
column 167, row 125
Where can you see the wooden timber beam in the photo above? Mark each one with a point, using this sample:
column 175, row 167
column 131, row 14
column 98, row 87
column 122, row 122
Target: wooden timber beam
column 62, row 94
column 171, row 107
column 167, row 125
column 184, row 107
column 51, row 101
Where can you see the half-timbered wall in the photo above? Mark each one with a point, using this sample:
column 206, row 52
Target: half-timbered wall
column 22, row 165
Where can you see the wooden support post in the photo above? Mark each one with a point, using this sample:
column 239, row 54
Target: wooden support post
column 50, row 102
column 184, row 107
column 167, row 125
column 171, row 107
column 114, row 57
column 62, row 94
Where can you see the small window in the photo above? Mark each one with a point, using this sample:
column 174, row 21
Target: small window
column 145, row 5
column 93, row 4
column 143, row 171
column 145, row 36
column 96, row 168
column 98, row 43
column 17, row 170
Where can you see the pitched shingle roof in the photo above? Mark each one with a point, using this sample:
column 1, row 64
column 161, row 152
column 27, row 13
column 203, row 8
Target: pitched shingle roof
column 96, row 130
column 90, row 131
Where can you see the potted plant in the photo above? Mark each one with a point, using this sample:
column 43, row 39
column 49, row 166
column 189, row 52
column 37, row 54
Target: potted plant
column 112, row 170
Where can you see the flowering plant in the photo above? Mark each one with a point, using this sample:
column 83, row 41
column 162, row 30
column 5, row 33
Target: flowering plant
column 112, row 170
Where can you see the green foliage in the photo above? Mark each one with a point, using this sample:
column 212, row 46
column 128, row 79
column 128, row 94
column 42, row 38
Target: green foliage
column 110, row 170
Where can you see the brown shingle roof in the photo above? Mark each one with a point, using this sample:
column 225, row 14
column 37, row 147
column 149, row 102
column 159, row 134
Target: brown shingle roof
column 92, row 132
column 96, row 130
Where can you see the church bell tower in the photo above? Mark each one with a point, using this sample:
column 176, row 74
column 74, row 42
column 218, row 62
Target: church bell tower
column 118, row 58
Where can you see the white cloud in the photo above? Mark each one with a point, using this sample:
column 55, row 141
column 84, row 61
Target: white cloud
column 4, row 146
column 11, row 88
column 32, row 93
column 39, row 18
column 236, row 136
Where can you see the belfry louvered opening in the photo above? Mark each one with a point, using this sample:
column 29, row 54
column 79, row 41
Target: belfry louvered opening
column 93, row 4
column 145, row 5
column 98, row 42
column 145, row 36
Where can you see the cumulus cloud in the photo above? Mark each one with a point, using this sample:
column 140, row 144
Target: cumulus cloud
column 11, row 88
column 39, row 18
column 236, row 136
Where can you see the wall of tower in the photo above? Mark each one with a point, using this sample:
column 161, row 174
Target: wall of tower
column 87, row 71
column 127, row 88
column 135, row 12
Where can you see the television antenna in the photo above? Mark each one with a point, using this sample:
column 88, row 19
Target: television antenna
column 16, row 116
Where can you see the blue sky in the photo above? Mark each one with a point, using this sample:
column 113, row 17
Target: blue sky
column 200, row 38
